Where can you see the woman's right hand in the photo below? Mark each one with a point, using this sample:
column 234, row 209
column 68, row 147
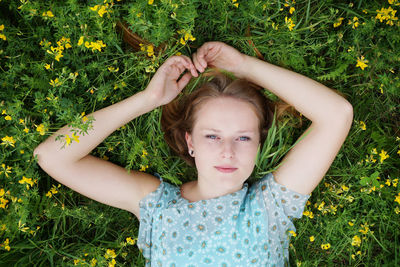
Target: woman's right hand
column 219, row 55
column 164, row 86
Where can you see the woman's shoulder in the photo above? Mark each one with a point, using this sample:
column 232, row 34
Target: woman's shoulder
column 163, row 193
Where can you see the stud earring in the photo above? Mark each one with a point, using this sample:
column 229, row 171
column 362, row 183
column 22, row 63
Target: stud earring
column 191, row 152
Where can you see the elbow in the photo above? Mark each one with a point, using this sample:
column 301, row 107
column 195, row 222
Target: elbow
column 348, row 112
column 39, row 155
column 344, row 115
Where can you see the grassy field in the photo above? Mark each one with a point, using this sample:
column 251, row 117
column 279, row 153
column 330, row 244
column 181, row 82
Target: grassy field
column 60, row 60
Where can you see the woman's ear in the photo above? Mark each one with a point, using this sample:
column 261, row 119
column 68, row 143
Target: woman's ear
column 189, row 141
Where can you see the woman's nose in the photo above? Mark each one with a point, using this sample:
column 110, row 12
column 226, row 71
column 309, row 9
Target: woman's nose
column 227, row 150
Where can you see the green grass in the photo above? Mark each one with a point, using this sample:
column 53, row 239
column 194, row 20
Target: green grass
column 55, row 231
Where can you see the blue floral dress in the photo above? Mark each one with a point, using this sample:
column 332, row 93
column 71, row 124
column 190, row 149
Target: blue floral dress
column 246, row 228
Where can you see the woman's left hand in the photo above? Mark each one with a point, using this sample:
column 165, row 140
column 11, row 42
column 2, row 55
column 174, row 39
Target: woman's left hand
column 164, row 86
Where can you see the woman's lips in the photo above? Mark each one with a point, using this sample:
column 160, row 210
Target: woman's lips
column 226, row 170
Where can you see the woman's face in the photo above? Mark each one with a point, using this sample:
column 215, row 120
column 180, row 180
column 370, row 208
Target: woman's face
column 217, row 141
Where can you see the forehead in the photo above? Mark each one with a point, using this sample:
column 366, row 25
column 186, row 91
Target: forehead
column 226, row 114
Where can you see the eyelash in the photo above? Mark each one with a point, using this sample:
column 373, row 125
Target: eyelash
column 248, row 138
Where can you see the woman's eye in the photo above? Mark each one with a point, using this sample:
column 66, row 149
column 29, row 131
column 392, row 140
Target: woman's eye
column 243, row 138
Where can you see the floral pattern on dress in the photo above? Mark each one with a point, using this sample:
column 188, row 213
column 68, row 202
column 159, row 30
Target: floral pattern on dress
column 246, row 228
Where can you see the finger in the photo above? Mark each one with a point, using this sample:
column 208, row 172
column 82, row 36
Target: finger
column 198, row 66
column 202, row 53
column 184, row 81
column 191, row 67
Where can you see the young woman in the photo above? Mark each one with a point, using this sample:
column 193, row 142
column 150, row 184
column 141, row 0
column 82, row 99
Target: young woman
column 216, row 220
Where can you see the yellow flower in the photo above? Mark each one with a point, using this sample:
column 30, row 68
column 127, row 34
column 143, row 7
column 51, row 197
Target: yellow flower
column 394, row 182
column 362, row 63
column 8, row 141
column 151, row 2
column 8, row 118
column 110, row 254
column 55, row 82
column 112, row 69
column 130, row 241
column 363, row 126
column 364, row 229
column 356, row 241
column 6, row 244
column 235, row 4
column 47, row 66
column 94, row 8
column 397, row 210
column 76, row 261
column 345, row 188
column 75, row 137
column 312, row 238
column 26, row 130
column 292, row 9
column 1, row 27
column 186, row 36
column 383, row 155
column 144, row 153
column 67, row 139
column 397, row 199
column 388, row 14
column 27, row 181
column 350, row 198
column 58, row 55
column 309, row 214
column 2, row 36
column 292, row 233
column 351, row 223
column 143, row 168
column 3, row 203
column 41, row 129
column 93, row 262
column 150, row 50
column 326, row 246
column 150, row 69
column 112, row 263
column 52, row 191
column 6, row 169
column 102, row 10
column 80, row 41
column 354, row 23
column 289, row 23
column 48, row 14
column 338, row 22
column 95, row 45
column 84, row 118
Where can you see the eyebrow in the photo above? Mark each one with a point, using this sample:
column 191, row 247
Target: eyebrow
column 218, row 131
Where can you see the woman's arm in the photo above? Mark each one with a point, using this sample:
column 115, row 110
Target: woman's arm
column 306, row 163
column 314, row 100
column 106, row 121
column 101, row 180
column 304, row 166
column 163, row 88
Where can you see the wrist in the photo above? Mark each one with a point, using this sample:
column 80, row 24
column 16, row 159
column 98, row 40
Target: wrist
column 241, row 71
column 151, row 99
